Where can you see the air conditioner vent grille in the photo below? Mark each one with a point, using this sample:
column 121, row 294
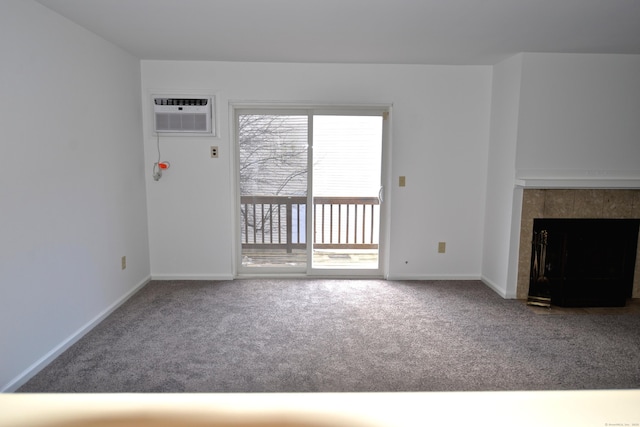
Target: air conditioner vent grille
column 181, row 101
column 168, row 122
column 183, row 115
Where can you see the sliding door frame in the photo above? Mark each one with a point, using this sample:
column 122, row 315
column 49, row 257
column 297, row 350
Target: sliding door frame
column 383, row 110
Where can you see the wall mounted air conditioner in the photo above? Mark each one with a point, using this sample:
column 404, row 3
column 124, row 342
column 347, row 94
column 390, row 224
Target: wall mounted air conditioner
column 184, row 114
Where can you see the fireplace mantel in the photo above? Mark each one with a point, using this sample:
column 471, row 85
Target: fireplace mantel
column 578, row 183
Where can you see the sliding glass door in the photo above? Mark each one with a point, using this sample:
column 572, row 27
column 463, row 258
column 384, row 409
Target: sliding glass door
column 310, row 191
column 347, row 154
column 273, row 182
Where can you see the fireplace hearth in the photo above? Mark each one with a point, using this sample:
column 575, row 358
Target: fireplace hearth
column 582, row 262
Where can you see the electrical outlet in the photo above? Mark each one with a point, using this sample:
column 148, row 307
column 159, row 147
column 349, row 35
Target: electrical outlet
column 123, row 261
column 442, row 247
column 214, row 152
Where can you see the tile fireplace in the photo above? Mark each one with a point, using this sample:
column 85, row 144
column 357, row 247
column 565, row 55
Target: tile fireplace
column 582, row 204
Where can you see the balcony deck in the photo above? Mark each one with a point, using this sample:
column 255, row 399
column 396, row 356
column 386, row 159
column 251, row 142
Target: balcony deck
column 324, row 258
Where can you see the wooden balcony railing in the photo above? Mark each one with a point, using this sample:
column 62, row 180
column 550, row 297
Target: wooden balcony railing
column 345, row 222
column 278, row 222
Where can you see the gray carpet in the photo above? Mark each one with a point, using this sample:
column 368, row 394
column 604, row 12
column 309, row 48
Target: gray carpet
column 342, row 335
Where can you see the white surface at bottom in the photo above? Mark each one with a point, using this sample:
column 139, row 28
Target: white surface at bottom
column 602, row 408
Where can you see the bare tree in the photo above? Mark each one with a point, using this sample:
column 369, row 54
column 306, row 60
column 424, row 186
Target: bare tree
column 273, row 162
column 273, row 155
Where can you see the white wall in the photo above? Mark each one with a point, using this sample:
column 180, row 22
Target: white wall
column 72, row 189
column 579, row 116
column 440, row 127
column 505, row 101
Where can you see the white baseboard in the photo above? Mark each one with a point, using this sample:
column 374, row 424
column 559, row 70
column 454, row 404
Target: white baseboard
column 36, row 367
column 498, row 289
column 192, row 277
column 432, row 277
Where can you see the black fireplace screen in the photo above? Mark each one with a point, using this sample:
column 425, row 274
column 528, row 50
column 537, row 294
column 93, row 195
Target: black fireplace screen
column 583, row 262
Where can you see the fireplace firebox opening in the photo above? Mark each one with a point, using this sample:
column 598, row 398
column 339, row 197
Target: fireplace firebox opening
column 582, row 262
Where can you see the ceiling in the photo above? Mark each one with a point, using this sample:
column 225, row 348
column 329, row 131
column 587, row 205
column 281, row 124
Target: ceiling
column 456, row 32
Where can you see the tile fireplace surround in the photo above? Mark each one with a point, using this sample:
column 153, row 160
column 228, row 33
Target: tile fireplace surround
column 572, row 203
